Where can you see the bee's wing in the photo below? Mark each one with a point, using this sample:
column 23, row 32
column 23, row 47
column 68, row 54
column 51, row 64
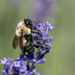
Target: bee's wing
column 35, row 23
column 15, row 42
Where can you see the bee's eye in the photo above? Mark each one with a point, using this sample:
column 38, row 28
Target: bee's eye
column 27, row 22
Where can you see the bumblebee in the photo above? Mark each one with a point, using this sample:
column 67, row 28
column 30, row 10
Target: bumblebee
column 23, row 36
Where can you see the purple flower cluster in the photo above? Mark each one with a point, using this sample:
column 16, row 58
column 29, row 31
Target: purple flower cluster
column 25, row 65
column 14, row 67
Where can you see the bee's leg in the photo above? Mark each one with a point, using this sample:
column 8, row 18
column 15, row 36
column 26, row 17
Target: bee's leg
column 37, row 39
column 40, row 40
column 34, row 31
column 39, row 46
column 23, row 52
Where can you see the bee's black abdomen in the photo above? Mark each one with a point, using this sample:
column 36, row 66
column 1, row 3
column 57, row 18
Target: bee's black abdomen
column 29, row 49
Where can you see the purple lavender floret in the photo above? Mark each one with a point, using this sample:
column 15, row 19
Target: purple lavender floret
column 18, row 67
column 43, row 60
column 34, row 72
column 4, row 72
column 13, row 67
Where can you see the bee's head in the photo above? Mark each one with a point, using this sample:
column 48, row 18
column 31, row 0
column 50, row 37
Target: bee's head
column 20, row 28
column 28, row 22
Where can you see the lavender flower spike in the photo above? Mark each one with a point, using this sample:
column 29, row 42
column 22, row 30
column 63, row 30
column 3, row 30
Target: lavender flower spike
column 25, row 65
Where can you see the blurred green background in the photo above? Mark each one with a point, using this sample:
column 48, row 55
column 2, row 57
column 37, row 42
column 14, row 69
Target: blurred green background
column 61, row 59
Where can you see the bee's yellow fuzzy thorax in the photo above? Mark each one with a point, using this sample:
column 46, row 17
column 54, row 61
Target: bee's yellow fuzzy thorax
column 22, row 26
